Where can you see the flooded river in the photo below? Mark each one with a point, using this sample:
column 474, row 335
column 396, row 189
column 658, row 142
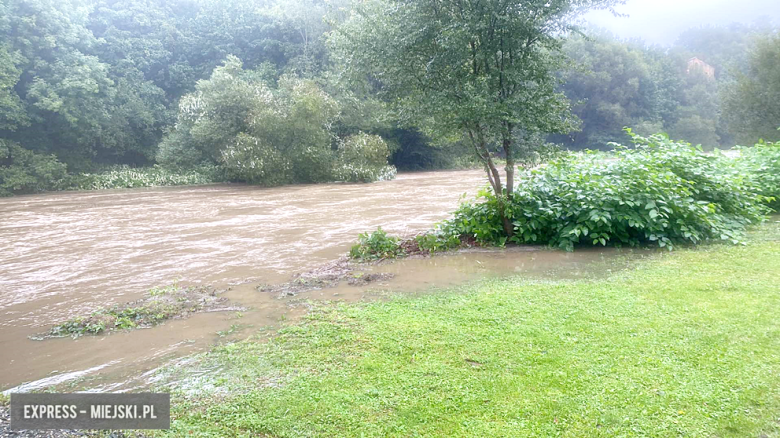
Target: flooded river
column 67, row 254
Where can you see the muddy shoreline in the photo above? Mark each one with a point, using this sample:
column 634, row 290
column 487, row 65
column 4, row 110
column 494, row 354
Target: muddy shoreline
column 174, row 302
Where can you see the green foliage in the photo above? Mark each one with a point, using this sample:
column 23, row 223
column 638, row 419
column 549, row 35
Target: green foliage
column 124, row 177
column 437, row 241
column 412, row 150
column 67, row 93
column 12, row 113
column 105, row 82
column 696, row 130
column 697, row 118
column 159, row 305
column 534, row 151
column 95, row 82
column 612, row 86
column 269, row 136
column 478, row 72
column 117, row 318
column 376, row 246
column 659, row 191
column 215, row 113
column 659, row 350
column 617, row 83
column 23, row 171
column 79, row 326
column 762, row 164
column 752, row 102
column 301, row 128
column 363, row 158
column 250, row 159
column 379, row 245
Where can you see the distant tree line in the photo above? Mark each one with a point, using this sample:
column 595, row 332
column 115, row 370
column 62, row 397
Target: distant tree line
column 616, row 83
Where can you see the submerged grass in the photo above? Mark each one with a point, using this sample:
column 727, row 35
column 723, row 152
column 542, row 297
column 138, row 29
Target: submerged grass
column 687, row 344
column 159, row 304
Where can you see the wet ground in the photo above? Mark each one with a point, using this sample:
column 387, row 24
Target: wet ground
column 68, row 254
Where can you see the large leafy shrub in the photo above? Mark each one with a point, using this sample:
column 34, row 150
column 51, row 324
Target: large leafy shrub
column 762, row 163
column 24, row 171
column 363, row 158
column 211, row 116
column 252, row 160
column 658, row 191
column 301, row 129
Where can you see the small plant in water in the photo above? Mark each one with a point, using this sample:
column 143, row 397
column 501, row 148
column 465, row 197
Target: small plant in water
column 436, row 241
column 376, row 246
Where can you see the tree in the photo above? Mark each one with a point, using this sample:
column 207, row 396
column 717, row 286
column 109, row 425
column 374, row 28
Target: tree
column 217, row 111
column 481, row 69
column 12, row 112
column 613, row 86
column 65, row 91
column 697, row 116
column 270, row 136
column 752, row 102
column 23, row 171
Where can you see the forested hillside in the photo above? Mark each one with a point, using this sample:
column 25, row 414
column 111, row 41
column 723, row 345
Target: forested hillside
column 653, row 89
column 248, row 90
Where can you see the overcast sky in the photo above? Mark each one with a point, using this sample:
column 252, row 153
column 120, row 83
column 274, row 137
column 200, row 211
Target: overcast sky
column 661, row 21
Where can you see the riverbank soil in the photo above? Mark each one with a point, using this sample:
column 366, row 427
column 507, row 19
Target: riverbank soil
column 686, row 344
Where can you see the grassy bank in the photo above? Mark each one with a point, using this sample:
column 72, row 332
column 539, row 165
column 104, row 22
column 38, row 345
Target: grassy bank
column 686, row 344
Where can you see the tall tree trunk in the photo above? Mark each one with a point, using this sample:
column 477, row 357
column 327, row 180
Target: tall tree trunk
column 510, row 167
column 510, row 179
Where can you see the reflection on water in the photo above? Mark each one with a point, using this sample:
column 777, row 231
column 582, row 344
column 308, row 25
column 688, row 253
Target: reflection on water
column 67, row 254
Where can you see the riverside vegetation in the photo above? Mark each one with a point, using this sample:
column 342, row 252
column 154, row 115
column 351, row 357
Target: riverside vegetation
column 684, row 343
column 234, row 127
column 659, row 191
column 88, row 85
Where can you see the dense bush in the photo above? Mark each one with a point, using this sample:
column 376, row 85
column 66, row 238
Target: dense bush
column 212, row 116
column 252, row 160
column 659, row 191
column 298, row 126
column 267, row 135
column 762, row 163
column 363, row 158
column 24, row 171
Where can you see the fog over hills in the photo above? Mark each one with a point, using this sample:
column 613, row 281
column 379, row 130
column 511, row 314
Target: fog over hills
column 661, row 21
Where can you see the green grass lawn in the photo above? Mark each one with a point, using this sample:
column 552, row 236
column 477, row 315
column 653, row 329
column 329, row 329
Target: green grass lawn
column 686, row 344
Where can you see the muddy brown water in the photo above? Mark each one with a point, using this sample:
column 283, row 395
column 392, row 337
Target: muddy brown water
column 68, row 254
